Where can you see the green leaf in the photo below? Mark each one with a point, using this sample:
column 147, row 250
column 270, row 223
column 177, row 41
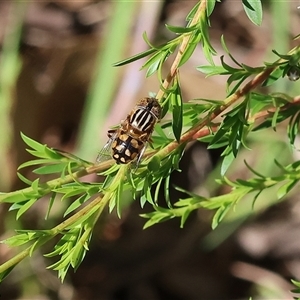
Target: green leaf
column 154, row 164
column 253, row 171
column 135, row 57
column 25, row 207
column 219, row 215
column 252, row 70
column 230, row 70
column 51, row 202
column 226, row 199
column 77, row 256
column 227, row 161
column 274, row 76
column 181, row 30
column 119, row 193
column 147, row 196
column 191, row 14
column 283, row 56
column 218, row 136
column 194, row 41
column 24, row 179
column 67, row 157
column 293, row 127
column 74, row 189
column 176, row 102
column 152, row 63
column 284, row 189
column 35, row 185
column 208, row 49
column 236, row 76
column 184, row 217
column 18, row 240
column 50, row 169
column 238, row 84
column 157, row 190
column 160, row 132
column 228, row 53
column 145, row 37
column 13, row 197
column 210, row 5
column 220, row 143
column 112, row 201
column 167, row 191
column 296, row 283
column 32, row 143
column 274, row 118
column 6, row 272
column 57, row 250
column 32, row 163
column 175, row 159
column 159, row 215
column 211, row 70
column 253, row 9
column 77, row 203
column 42, row 237
column 55, row 153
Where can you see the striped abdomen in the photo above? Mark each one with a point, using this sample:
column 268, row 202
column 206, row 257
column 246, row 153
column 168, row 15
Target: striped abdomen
column 126, row 148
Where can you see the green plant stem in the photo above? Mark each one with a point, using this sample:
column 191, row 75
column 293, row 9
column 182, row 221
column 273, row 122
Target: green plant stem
column 100, row 202
column 183, row 47
column 213, row 203
column 11, row 263
column 14, row 260
column 47, row 187
column 97, row 204
column 53, row 232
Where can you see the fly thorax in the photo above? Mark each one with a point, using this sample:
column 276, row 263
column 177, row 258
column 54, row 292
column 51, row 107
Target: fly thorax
column 142, row 119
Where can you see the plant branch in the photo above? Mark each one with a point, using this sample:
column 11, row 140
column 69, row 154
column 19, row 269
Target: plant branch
column 95, row 206
column 48, row 186
column 266, row 113
column 193, row 133
column 183, row 46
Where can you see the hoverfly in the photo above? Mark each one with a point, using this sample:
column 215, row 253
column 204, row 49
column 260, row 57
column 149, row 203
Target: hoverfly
column 128, row 142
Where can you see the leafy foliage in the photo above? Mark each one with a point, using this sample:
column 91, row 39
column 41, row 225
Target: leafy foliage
column 253, row 10
column 296, row 290
column 244, row 111
column 223, row 203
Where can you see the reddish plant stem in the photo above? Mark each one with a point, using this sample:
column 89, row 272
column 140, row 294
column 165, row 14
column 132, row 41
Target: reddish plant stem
column 193, row 133
column 268, row 112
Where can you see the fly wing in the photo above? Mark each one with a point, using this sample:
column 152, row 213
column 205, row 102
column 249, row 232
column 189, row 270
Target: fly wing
column 105, row 153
